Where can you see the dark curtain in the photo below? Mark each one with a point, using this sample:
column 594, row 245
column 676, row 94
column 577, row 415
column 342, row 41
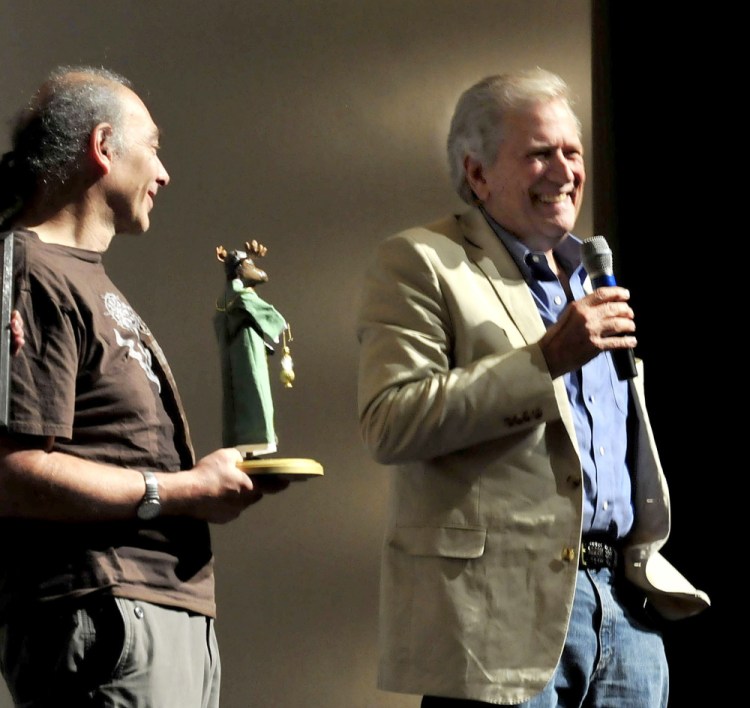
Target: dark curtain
column 662, row 130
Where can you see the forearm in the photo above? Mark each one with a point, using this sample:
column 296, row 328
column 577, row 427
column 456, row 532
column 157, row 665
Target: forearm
column 39, row 483
column 496, row 396
column 43, row 484
column 441, row 367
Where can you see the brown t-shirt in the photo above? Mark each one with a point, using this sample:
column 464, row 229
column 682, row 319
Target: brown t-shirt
column 91, row 375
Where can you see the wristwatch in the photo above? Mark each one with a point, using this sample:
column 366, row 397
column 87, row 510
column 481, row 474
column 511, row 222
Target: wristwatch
column 150, row 505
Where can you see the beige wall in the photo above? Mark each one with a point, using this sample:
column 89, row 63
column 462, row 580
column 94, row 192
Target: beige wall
column 316, row 127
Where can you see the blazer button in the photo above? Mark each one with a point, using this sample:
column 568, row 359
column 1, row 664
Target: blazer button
column 569, row 554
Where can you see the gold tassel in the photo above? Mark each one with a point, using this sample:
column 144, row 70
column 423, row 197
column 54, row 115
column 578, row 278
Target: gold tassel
column 287, row 365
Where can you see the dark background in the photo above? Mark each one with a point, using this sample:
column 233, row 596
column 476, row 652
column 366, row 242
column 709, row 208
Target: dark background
column 661, row 132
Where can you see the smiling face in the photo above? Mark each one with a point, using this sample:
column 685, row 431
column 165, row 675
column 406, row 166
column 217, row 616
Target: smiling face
column 534, row 189
column 137, row 172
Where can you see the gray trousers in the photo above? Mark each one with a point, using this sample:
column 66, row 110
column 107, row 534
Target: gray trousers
column 107, row 652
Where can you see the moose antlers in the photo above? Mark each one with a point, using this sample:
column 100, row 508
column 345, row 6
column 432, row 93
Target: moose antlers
column 253, row 248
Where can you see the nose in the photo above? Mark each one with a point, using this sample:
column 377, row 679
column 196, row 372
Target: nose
column 162, row 177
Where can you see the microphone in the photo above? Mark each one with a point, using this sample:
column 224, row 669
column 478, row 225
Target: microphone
column 597, row 260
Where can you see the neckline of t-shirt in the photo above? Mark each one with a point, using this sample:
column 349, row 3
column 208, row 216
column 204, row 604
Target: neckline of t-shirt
column 80, row 253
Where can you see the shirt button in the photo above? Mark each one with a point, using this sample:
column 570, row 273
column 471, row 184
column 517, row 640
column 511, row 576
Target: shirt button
column 138, row 612
column 569, row 554
column 601, row 450
column 605, row 505
column 558, row 300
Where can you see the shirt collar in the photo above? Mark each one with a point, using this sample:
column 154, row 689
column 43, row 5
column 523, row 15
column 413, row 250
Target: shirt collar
column 533, row 264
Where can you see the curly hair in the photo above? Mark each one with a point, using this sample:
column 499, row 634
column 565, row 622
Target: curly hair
column 476, row 128
column 50, row 135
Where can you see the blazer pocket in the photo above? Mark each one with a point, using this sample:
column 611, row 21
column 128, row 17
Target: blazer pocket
column 445, row 541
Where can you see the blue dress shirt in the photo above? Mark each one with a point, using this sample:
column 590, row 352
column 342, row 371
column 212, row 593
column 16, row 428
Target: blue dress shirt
column 598, row 399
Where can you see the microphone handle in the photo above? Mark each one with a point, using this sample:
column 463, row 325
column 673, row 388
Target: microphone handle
column 623, row 359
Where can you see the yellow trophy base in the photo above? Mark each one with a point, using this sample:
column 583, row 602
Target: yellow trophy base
column 291, row 468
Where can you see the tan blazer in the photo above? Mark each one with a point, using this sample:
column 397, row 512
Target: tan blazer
column 481, row 548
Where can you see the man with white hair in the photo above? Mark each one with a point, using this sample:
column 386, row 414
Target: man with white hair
column 521, row 562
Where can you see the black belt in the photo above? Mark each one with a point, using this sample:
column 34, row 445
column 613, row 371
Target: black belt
column 597, row 554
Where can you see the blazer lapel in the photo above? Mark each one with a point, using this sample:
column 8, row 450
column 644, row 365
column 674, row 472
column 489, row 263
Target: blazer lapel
column 493, row 259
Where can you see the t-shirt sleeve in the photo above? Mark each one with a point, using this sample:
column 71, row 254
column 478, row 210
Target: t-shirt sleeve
column 43, row 374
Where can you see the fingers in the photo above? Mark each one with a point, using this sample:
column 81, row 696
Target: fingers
column 234, row 455
column 17, row 332
column 222, row 490
column 609, row 292
column 612, row 321
column 605, row 296
column 600, row 321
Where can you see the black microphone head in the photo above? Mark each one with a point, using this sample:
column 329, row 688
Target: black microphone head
column 597, row 256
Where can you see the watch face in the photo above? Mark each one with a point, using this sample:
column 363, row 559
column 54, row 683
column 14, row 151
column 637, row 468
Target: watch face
column 149, row 509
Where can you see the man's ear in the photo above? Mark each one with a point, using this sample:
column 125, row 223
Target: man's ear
column 474, row 171
column 100, row 147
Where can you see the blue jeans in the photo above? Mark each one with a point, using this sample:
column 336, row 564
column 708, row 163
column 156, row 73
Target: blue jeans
column 613, row 655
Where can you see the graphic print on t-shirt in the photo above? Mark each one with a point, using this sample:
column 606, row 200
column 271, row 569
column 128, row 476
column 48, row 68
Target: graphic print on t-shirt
column 127, row 319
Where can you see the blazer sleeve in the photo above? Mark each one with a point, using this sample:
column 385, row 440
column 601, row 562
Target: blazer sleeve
column 442, row 367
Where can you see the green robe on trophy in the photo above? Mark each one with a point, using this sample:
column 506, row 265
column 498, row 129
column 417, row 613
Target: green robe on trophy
column 244, row 324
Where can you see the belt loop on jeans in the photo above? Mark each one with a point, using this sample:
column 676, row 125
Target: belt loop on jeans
column 597, row 554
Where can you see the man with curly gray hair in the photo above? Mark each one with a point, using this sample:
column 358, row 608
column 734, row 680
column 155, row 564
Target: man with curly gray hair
column 50, row 135
column 522, row 561
column 106, row 569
